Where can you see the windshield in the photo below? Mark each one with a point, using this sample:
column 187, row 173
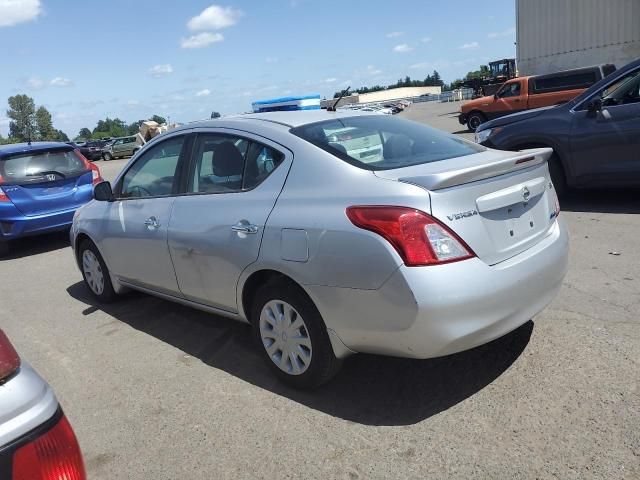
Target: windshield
column 44, row 166
column 381, row 142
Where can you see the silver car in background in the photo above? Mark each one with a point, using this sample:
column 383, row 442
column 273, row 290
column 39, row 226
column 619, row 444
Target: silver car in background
column 331, row 233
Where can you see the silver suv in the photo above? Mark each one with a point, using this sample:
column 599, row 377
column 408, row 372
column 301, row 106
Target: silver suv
column 122, row 147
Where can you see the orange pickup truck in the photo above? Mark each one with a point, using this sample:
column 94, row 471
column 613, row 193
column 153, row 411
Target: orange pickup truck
column 524, row 93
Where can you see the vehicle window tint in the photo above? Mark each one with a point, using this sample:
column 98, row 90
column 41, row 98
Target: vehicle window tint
column 510, row 90
column 261, row 161
column 154, row 172
column 624, row 91
column 219, row 164
column 41, row 167
column 565, row 82
column 381, row 142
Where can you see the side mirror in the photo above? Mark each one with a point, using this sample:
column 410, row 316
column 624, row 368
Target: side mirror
column 102, row 192
column 594, row 106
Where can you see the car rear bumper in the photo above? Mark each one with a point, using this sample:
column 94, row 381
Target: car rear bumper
column 429, row 312
column 26, row 402
column 16, row 225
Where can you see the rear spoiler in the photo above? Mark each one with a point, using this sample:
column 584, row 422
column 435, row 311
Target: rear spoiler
column 520, row 160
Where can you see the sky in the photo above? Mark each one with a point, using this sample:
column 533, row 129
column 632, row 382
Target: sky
column 86, row 59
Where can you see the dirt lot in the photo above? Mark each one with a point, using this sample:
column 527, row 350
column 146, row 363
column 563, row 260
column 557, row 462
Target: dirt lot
column 159, row 391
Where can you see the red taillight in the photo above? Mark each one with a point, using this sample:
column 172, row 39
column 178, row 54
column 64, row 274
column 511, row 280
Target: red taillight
column 3, row 196
column 95, row 171
column 9, row 359
column 53, row 456
column 417, row 237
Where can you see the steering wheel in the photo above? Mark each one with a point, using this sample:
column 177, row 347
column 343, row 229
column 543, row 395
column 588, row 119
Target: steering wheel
column 144, row 191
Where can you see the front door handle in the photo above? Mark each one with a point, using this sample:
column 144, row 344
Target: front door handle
column 245, row 227
column 152, row 223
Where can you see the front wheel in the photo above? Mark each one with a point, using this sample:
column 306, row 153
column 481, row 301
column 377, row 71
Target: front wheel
column 107, row 156
column 474, row 120
column 292, row 336
column 557, row 175
column 95, row 272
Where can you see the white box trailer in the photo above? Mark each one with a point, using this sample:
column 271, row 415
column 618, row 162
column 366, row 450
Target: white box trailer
column 555, row 35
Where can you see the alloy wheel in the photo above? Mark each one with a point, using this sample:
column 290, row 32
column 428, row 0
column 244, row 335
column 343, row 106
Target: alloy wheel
column 93, row 272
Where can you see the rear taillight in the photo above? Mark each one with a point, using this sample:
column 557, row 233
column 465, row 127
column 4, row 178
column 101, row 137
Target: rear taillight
column 95, row 171
column 3, row 196
column 53, row 456
column 9, row 359
column 417, row 237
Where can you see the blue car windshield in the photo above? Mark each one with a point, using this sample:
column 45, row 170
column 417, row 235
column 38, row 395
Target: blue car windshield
column 382, row 142
column 40, row 166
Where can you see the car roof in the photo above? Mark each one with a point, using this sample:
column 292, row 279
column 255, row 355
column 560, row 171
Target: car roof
column 34, row 147
column 291, row 119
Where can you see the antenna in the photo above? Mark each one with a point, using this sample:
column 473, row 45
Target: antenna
column 342, row 94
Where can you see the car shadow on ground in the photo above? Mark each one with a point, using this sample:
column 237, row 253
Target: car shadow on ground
column 602, row 201
column 28, row 246
column 369, row 390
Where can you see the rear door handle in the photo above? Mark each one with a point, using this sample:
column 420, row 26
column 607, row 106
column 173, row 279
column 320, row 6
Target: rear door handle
column 245, row 227
column 152, row 223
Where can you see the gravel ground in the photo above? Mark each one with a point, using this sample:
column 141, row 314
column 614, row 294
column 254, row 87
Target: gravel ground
column 159, row 391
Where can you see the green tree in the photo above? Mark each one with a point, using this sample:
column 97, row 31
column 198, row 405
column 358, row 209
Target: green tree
column 60, row 136
column 84, row 133
column 22, row 112
column 158, row 119
column 44, row 125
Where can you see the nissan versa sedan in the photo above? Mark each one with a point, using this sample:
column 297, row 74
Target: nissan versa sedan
column 36, row 439
column 41, row 186
column 418, row 245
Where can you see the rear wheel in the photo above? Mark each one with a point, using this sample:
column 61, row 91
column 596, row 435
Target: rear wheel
column 474, row 120
column 557, row 175
column 107, row 156
column 292, row 335
column 95, row 272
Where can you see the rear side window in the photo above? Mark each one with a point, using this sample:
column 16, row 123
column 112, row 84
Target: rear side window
column 45, row 166
column 561, row 82
column 381, row 142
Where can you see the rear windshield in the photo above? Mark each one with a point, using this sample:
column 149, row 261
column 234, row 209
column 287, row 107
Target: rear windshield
column 45, row 166
column 382, row 142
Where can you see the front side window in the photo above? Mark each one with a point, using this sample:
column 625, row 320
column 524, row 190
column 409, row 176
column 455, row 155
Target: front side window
column 510, row 90
column 624, row 91
column 153, row 174
column 382, row 142
column 225, row 164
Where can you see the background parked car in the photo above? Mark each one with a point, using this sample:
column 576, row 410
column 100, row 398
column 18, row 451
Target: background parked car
column 41, row 186
column 36, row 439
column 525, row 93
column 595, row 137
column 122, row 147
column 88, row 149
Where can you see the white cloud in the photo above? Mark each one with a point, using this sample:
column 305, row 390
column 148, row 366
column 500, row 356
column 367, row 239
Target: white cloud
column 203, row 93
column 420, row 66
column 161, row 70
column 372, row 70
column 425, row 39
column 60, row 82
column 201, row 40
column 133, row 102
column 506, row 33
column 35, row 82
column 247, row 93
column 402, row 48
column 331, row 80
column 470, row 45
column 13, row 12
column 271, row 59
column 214, row 17
column 394, row 34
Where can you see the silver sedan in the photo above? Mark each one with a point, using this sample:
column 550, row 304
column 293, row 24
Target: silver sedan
column 331, row 233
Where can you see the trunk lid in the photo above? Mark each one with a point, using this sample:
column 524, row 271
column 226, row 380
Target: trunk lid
column 46, row 181
column 499, row 203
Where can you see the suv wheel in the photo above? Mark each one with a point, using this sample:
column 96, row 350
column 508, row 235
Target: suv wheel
column 107, row 156
column 474, row 120
column 292, row 335
column 95, row 272
column 557, row 175
column 4, row 248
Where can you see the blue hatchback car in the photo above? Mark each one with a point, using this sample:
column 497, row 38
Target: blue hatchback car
column 41, row 186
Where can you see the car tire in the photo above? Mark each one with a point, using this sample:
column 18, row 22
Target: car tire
column 107, row 156
column 4, row 249
column 474, row 120
column 95, row 272
column 557, row 175
column 301, row 357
